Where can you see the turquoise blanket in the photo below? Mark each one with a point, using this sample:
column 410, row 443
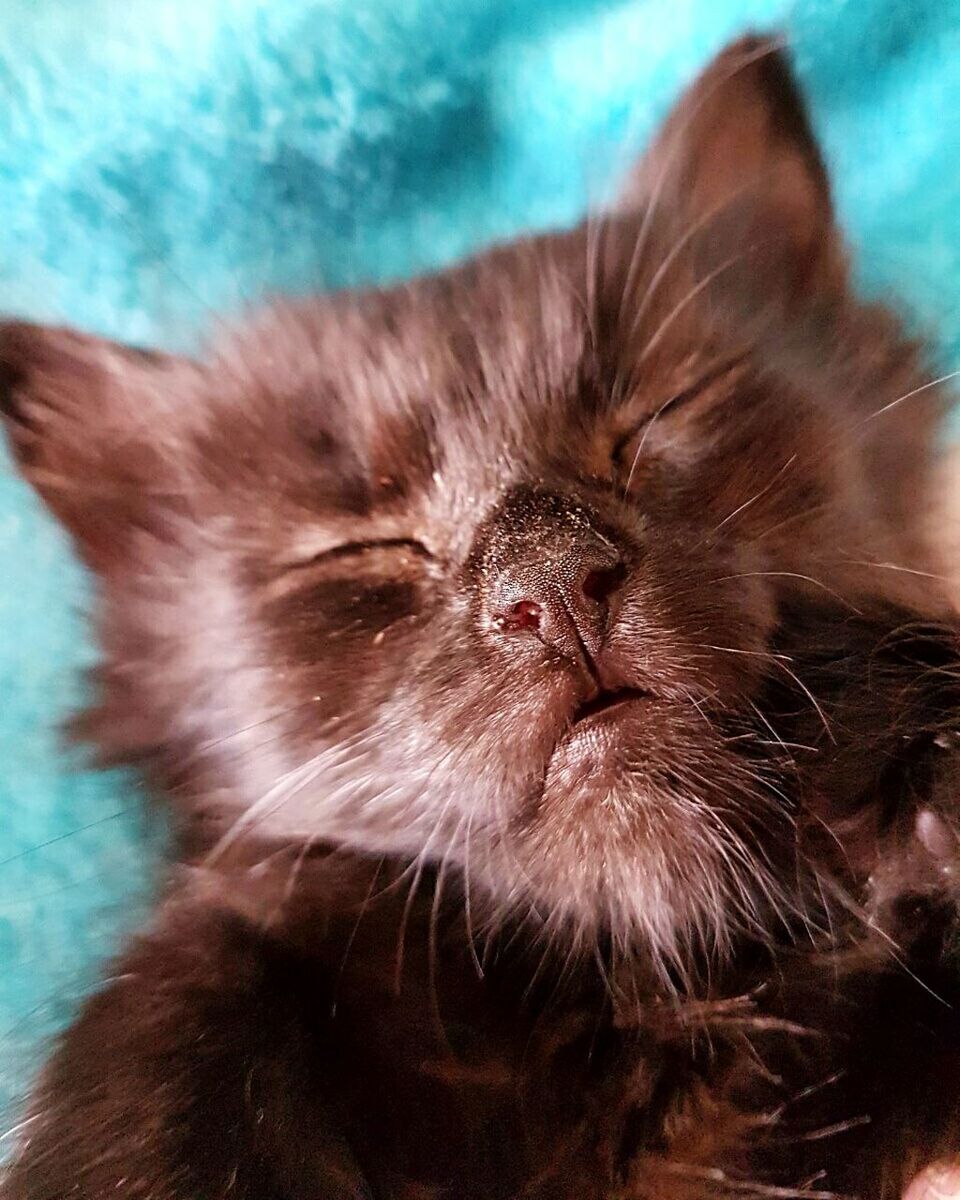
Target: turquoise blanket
column 162, row 159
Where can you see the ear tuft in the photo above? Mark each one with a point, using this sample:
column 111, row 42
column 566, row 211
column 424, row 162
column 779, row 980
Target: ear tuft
column 737, row 155
column 41, row 371
column 11, row 370
column 83, row 418
column 17, row 353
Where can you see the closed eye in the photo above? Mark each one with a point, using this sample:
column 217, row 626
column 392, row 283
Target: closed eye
column 360, row 549
column 625, row 439
column 671, row 405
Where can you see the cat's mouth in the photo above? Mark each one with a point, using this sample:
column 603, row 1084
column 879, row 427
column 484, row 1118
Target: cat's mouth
column 606, row 704
column 587, row 763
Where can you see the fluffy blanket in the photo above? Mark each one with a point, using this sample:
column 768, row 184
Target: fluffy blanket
column 163, row 159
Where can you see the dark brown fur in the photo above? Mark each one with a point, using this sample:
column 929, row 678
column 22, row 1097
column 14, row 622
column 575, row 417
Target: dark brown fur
column 448, row 922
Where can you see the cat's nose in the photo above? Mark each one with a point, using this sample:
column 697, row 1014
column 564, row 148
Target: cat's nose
column 548, row 568
column 561, row 598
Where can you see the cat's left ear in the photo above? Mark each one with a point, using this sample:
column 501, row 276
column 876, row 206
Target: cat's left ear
column 95, row 427
column 737, row 170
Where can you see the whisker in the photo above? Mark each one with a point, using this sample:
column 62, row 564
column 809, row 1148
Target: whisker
column 781, row 661
column 889, row 566
column 468, row 899
column 906, row 396
column 792, row 575
column 682, row 241
column 364, row 905
column 420, row 862
column 674, row 150
column 292, row 878
column 690, row 296
column 288, row 786
column 810, row 696
column 643, row 438
column 214, row 743
column 753, row 499
column 745, row 1188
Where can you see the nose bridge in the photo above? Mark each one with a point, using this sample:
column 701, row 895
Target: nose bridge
column 547, row 531
column 548, row 569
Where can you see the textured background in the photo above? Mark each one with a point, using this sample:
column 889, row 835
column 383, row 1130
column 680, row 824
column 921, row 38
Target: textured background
column 160, row 159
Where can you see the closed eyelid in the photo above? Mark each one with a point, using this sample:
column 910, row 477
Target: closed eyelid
column 355, row 549
column 674, row 401
column 291, row 573
column 722, row 369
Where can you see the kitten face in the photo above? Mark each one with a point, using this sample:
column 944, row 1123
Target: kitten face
column 488, row 568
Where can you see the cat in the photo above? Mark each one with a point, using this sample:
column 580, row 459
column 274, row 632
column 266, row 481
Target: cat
column 545, row 666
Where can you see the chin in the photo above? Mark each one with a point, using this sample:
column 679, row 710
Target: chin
column 652, row 838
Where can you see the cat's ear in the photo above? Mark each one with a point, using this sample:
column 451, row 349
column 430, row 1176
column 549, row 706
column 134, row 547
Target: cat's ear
column 91, row 426
column 738, row 171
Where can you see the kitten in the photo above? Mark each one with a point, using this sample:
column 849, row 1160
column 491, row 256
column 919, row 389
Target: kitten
column 564, row 778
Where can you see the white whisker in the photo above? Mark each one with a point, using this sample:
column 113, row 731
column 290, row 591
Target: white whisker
column 753, row 499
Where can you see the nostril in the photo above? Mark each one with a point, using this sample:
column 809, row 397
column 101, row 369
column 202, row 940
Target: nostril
column 525, row 614
column 600, row 585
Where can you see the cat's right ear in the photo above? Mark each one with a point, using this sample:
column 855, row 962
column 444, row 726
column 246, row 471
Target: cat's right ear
column 92, row 426
column 738, row 169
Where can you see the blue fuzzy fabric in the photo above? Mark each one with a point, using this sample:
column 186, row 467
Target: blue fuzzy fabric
column 160, row 159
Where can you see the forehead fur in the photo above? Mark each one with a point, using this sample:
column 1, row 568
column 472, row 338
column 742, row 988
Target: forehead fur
column 509, row 327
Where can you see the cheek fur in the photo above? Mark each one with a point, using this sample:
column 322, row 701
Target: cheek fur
column 334, row 609
column 346, row 644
